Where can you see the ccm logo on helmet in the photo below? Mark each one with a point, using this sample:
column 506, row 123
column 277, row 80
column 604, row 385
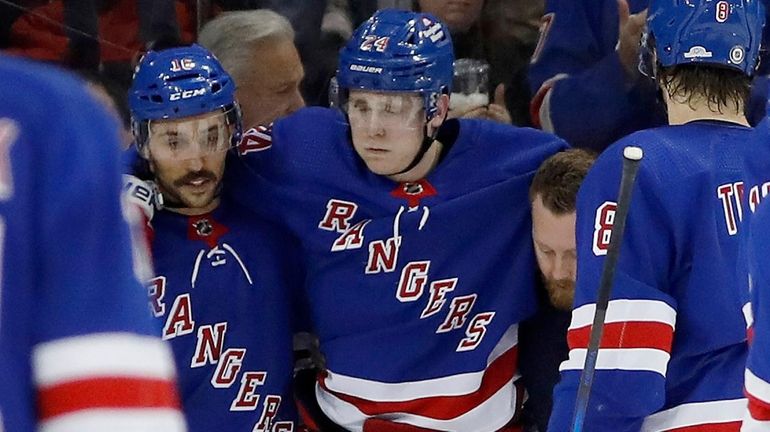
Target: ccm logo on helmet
column 187, row 94
column 366, row 69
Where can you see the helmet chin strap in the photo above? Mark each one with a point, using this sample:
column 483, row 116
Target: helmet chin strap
column 427, row 142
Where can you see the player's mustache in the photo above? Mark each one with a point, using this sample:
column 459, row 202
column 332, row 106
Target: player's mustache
column 561, row 284
column 197, row 175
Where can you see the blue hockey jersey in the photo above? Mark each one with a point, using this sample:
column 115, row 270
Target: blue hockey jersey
column 222, row 297
column 757, row 377
column 76, row 351
column 575, row 67
column 674, row 342
column 416, row 289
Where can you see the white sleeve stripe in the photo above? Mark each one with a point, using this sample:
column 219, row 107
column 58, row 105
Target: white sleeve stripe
column 103, row 354
column 630, row 359
column 626, row 310
column 134, row 420
column 491, row 415
column 748, row 315
column 757, row 387
column 753, row 425
column 452, row 385
column 696, row 414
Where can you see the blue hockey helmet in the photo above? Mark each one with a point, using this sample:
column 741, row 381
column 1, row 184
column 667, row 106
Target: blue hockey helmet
column 714, row 32
column 177, row 83
column 399, row 51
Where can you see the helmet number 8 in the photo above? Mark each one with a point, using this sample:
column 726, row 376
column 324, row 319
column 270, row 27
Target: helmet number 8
column 722, row 11
column 375, row 43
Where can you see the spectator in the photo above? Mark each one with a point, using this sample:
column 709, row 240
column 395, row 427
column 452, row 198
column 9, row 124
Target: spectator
column 105, row 35
column 553, row 195
column 502, row 33
column 256, row 47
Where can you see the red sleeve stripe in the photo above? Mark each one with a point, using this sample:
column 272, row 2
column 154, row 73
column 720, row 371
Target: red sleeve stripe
column 712, row 416
column 539, row 107
column 481, row 400
column 492, row 414
column 652, row 335
column 102, row 355
column 101, row 420
column 758, row 388
column 734, row 426
column 633, row 359
column 110, row 393
column 626, row 310
column 497, row 375
column 758, row 409
column 451, row 385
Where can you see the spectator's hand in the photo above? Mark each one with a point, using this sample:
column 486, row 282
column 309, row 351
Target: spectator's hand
column 630, row 33
column 496, row 111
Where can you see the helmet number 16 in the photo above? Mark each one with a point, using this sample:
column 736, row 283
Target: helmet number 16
column 375, row 43
column 184, row 64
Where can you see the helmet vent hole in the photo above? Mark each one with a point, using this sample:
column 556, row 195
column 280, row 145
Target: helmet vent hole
column 182, row 77
column 215, row 87
column 156, row 98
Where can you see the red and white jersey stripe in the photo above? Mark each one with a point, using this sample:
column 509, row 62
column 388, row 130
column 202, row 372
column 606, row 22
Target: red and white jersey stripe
column 106, row 381
column 758, row 416
column 637, row 336
column 484, row 400
column 713, row 416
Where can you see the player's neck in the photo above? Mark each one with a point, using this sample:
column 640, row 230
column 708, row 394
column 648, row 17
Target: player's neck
column 681, row 113
column 422, row 169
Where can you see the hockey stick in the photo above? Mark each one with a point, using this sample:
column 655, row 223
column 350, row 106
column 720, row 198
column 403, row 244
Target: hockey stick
column 631, row 158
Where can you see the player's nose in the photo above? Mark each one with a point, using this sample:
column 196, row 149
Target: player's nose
column 560, row 269
column 195, row 164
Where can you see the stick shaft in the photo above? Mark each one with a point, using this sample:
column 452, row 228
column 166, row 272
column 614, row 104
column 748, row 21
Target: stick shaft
column 630, row 168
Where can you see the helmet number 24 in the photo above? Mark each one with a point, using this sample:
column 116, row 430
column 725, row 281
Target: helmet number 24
column 375, row 43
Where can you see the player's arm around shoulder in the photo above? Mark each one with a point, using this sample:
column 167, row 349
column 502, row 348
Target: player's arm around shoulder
column 516, row 149
column 277, row 147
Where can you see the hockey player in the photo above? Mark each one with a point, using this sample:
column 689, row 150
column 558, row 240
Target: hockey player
column 587, row 56
column 674, row 339
column 757, row 376
column 416, row 230
column 224, row 276
column 76, row 345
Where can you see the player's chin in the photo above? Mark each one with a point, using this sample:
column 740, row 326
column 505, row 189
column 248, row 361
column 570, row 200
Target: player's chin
column 382, row 166
column 561, row 294
column 198, row 199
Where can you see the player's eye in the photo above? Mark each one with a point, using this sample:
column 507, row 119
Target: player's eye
column 213, row 138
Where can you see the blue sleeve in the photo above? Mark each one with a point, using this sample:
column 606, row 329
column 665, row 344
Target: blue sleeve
column 576, row 67
column 88, row 284
column 640, row 321
column 757, row 382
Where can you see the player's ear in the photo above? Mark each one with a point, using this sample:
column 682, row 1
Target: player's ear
column 442, row 108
